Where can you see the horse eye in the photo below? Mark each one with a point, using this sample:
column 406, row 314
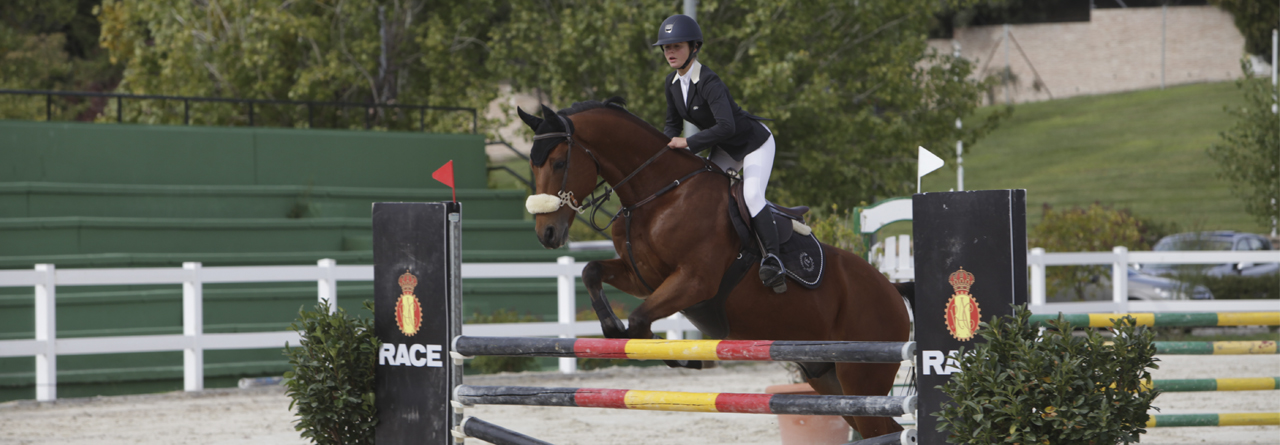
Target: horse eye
column 559, row 165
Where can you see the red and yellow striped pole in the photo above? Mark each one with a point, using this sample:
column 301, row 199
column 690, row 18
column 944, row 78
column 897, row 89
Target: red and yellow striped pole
column 880, row 406
column 760, row 350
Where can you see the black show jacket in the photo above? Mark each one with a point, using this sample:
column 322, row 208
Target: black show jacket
column 711, row 108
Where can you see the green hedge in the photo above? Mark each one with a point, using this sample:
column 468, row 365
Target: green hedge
column 332, row 382
column 1024, row 387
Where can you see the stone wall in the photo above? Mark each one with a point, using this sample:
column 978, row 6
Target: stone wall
column 1117, row 50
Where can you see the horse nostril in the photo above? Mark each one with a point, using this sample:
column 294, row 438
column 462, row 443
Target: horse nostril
column 549, row 234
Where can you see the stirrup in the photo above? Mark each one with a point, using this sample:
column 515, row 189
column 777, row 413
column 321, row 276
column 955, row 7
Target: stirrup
column 771, row 276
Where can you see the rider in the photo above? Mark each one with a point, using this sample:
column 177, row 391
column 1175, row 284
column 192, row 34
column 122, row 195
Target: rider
column 737, row 139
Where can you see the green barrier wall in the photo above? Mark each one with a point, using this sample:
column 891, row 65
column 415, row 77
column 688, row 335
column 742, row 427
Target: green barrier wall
column 83, row 195
column 86, row 153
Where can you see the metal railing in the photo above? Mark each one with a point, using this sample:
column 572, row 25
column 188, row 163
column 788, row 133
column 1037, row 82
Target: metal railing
column 46, row 279
column 251, row 103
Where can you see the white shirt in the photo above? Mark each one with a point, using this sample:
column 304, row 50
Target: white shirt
column 690, row 76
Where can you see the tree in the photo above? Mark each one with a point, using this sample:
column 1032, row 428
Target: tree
column 366, row 51
column 50, row 45
column 1249, row 154
column 851, row 86
column 1093, row 229
column 1255, row 19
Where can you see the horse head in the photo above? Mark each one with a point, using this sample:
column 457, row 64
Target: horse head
column 564, row 174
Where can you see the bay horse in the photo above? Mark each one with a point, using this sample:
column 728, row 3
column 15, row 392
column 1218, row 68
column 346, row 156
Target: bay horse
column 682, row 242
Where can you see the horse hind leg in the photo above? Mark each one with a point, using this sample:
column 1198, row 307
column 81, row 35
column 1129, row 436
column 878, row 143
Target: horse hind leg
column 868, row 379
column 825, row 381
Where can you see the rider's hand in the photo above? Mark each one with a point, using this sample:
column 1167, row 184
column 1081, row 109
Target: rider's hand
column 678, row 143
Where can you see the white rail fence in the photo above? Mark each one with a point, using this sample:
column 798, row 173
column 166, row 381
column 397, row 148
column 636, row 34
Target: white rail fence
column 1120, row 259
column 894, row 257
column 46, row 278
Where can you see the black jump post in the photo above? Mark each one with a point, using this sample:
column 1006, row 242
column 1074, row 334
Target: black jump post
column 971, row 265
column 418, row 307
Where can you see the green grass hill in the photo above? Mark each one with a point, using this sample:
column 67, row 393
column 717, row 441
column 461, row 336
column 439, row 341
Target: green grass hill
column 1142, row 150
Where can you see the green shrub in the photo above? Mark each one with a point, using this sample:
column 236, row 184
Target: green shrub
column 835, row 227
column 1096, row 228
column 493, row 364
column 1051, row 388
column 1235, row 287
column 332, row 379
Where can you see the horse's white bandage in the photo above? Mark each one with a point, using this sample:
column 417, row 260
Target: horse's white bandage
column 800, row 228
column 542, row 203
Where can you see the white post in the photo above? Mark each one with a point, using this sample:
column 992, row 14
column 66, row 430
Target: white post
column 1008, row 74
column 959, row 161
column 47, row 332
column 1120, row 279
column 193, row 328
column 1275, row 64
column 327, row 286
column 675, row 334
column 1036, row 261
column 1164, row 25
column 691, row 10
column 566, row 310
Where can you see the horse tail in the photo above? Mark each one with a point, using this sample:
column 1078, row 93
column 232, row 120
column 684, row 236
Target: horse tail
column 908, row 291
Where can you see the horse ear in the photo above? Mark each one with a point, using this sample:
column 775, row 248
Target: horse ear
column 532, row 121
column 550, row 115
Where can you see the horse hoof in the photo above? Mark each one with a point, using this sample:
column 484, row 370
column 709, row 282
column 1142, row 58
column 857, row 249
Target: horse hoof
column 690, row 364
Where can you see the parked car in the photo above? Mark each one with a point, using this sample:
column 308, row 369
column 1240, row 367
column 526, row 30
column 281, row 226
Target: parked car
column 1152, row 288
column 1219, row 240
column 1142, row 287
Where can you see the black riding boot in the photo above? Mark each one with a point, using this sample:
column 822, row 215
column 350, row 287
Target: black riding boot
column 772, row 272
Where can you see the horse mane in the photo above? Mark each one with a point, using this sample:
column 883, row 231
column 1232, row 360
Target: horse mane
column 541, row 149
column 614, row 103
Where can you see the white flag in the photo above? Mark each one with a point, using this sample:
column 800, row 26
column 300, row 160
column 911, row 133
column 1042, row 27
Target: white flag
column 928, row 163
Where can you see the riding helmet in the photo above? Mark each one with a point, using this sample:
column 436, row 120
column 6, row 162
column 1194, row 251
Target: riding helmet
column 679, row 28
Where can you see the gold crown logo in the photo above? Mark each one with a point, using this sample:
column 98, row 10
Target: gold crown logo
column 961, row 280
column 407, row 283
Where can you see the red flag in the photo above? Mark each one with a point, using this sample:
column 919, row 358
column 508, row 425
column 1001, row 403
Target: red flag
column 444, row 174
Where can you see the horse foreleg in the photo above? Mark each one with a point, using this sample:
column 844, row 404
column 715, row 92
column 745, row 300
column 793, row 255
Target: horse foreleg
column 680, row 290
column 593, row 275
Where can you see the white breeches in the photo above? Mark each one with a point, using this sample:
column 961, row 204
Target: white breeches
column 755, row 168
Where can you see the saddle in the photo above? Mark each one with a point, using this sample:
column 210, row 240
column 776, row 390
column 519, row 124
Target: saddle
column 798, row 249
column 802, row 255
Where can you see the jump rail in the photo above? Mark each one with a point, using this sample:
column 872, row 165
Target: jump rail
column 906, row 437
column 1168, row 319
column 488, row 432
column 1262, row 347
column 747, row 350
column 882, row 406
column 1237, row 384
column 1217, row 419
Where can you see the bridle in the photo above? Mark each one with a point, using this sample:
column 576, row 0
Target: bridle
column 565, row 197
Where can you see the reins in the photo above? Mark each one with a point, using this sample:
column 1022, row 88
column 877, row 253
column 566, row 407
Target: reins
column 596, row 203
